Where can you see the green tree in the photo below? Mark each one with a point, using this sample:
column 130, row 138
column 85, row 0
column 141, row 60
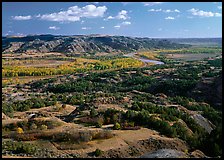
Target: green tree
column 93, row 112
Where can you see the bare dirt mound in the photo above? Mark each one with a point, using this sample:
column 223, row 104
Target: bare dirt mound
column 4, row 117
column 141, row 147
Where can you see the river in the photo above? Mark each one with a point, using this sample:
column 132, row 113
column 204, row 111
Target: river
column 145, row 60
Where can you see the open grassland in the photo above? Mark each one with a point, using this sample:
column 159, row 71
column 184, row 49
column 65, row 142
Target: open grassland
column 193, row 50
column 30, row 55
column 192, row 56
column 34, row 63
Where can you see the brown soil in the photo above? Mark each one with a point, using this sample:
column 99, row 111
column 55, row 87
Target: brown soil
column 124, row 142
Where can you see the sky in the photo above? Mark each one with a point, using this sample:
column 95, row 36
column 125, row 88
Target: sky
column 135, row 19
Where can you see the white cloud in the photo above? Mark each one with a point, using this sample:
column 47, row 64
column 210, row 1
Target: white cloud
column 151, row 3
column 20, row 34
column 218, row 14
column 201, row 13
column 165, row 11
column 171, row 18
column 117, row 26
column 74, row 13
column 155, row 10
column 86, row 28
column 21, row 18
column 54, row 28
column 102, row 27
column 123, row 14
column 170, row 11
column 125, row 23
column 37, row 16
column 176, row 10
column 219, row 7
column 110, row 17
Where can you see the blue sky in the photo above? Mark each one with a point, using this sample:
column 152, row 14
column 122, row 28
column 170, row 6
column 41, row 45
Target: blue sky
column 138, row 19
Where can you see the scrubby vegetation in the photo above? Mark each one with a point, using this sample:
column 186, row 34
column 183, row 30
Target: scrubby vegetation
column 112, row 94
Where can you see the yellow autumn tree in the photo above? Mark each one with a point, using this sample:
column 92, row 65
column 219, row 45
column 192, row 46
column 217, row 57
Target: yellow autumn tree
column 19, row 130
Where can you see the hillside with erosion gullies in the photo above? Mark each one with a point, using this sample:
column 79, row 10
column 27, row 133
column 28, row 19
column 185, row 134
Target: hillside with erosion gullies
column 90, row 96
column 82, row 43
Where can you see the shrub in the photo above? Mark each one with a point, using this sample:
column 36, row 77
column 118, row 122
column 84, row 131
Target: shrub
column 26, row 137
column 85, row 136
column 43, row 127
column 33, row 126
column 64, row 106
column 98, row 152
column 102, row 135
column 56, row 108
column 7, row 110
column 93, row 112
column 52, row 124
column 117, row 126
column 115, row 118
column 131, row 124
column 100, row 122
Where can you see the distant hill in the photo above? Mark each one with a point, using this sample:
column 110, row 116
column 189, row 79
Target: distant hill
column 83, row 43
column 198, row 41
